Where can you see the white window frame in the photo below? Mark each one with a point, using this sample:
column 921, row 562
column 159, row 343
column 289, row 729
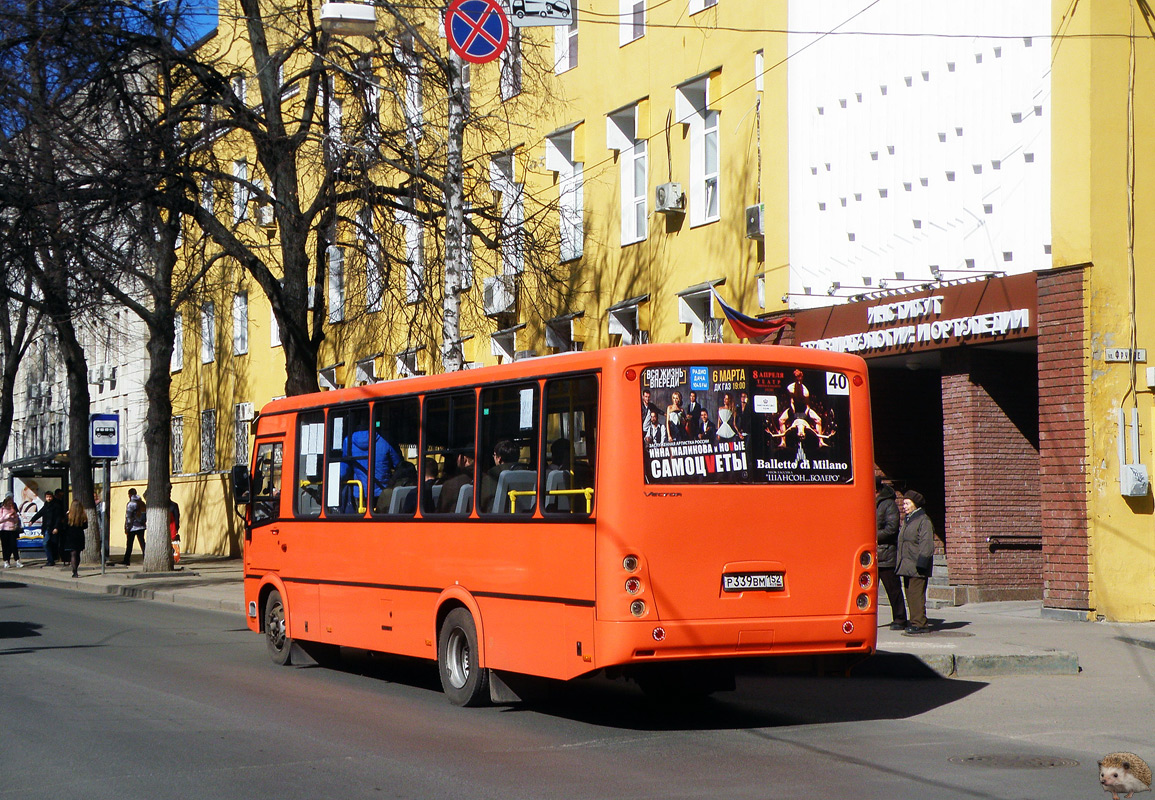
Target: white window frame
column 176, row 445
column 336, row 284
column 209, row 333
column 413, row 98
column 274, row 329
column 208, row 195
column 176, row 360
column 209, row 440
column 414, row 238
column 621, row 135
column 511, row 230
column 239, row 89
column 366, row 371
column 565, row 48
column 335, row 107
column 692, row 107
column 374, row 272
column 242, row 424
column 696, row 308
column 631, row 21
column 560, row 158
column 240, row 323
column 240, row 191
column 370, row 92
column 510, row 67
column 701, row 5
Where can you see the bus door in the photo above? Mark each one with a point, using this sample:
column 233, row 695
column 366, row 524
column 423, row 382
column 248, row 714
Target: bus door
column 265, row 513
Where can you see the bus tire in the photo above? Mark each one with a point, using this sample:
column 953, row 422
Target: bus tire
column 277, row 641
column 464, row 681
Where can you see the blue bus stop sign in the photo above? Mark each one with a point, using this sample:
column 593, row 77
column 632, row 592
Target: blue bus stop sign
column 477, row 30
column 104, row 436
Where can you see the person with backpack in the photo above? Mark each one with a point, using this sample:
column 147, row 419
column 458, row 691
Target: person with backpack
column 134, row 514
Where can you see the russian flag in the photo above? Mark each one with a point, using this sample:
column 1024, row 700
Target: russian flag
column 750, row 327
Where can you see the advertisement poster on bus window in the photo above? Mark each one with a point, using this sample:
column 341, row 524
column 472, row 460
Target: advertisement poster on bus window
column 745, row 425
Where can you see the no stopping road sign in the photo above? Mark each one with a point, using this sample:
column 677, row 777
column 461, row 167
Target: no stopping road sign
column 477, row 30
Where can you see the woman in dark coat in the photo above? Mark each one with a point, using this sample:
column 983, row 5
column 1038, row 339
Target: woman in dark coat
column 915, row 558
column 886, row 523
column 72, row 541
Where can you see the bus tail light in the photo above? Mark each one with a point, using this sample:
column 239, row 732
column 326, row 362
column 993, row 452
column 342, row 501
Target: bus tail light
column 866, row 559
column 633, row 585
column 630, row 563
column 659, row 634
column 638, row 608
column 865, row 580
column 863, row 602
column 848, row 627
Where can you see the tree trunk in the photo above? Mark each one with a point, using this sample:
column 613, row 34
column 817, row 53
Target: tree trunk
column 452, row 357
column 157, row 443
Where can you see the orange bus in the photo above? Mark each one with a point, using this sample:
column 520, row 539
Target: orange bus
column 653, row 511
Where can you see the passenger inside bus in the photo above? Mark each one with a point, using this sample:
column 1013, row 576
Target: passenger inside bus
column 405, row 475
column 505, row 455
column 451, row 488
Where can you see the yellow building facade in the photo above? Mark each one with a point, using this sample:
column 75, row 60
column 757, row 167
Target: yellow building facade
column 1103, row 198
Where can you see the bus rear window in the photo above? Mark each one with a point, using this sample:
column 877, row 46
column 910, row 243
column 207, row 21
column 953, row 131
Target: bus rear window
column 745, row 425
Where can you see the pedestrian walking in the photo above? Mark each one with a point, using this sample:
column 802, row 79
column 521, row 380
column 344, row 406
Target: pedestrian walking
column 915, row 558
column 51, row 516
column 72, row 538
column 10, row 532
column 886, row 523
column 134, row 525
column 173, row 529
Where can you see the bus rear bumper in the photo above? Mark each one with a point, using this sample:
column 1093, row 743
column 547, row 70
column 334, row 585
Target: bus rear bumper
column 658, row 640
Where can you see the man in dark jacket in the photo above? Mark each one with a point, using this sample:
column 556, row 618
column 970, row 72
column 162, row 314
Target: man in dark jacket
column 886, row 522
column 51, row 516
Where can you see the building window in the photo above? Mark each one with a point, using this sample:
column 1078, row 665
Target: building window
column 274, row 329
column 374, row 268
column 238, row 84
column 565, row 48
column 622, row 135
column 207, row 195
column 240, row 190
column 243, row 416
column 413, row 103
column 510, row 64
column 240, row 323
column 176, row 445
column 209, row 440
column 631, row 20
column 370, row 93
column 559, row 157
column 176, row 360
column 701, row 5
column 334, row 107
column 511, row 231
column 414, row 256
column 692, row 106
column 624, row 321
column 696, row 309
column 336, row 284
column 208, row 333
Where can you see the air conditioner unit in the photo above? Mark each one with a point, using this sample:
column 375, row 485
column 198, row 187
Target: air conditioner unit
column 499, row 296
column 670, row 199
column 755, row 221
column 244, row 412
column 96, row 375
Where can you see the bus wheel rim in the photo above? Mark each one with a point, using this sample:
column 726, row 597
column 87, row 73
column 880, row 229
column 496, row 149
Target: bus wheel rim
column 459, row 658
column 276, row 626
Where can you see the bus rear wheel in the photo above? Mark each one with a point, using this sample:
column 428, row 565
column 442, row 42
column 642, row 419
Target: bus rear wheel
column 464, row 681
column 277, row 641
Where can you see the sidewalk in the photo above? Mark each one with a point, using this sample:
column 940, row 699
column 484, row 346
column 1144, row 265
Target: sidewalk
column 208, row 582
column 978, row 640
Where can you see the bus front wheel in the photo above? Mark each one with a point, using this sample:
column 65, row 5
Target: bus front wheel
column 276, row 637
column 464, row 681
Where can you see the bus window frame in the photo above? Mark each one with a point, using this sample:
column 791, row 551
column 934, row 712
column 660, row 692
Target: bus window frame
column 345, row 411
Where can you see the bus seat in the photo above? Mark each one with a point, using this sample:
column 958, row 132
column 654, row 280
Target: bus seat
column 557, row 480
column 401, row 498
column 464, row 499
column 436, row 493
column 515, row 480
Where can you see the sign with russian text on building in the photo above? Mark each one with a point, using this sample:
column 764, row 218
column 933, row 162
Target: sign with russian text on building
column 104, row 436
column 947, row 315
column 477, row 30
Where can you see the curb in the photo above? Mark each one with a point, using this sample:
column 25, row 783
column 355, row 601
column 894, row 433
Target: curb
column 889, row 663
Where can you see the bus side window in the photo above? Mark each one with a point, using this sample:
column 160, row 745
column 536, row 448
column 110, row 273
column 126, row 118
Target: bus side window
column 267, row 483
column 450, row 430
column 395, row 425
column 571, row 412
column 310, row 463
column 347, row 475
column 509, row 444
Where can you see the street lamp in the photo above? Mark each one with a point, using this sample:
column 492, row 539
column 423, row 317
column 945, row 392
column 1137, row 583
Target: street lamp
column 348, row 19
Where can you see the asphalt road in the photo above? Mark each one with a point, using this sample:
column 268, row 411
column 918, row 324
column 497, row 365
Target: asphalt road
column 107, row 697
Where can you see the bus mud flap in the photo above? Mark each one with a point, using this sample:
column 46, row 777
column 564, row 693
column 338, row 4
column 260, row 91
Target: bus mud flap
column 499, row 690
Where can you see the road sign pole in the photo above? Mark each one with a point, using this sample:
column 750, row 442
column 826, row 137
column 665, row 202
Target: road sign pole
column 106, row 515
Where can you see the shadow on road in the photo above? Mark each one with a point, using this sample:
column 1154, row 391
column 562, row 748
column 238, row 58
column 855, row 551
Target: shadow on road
column 761, row 699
